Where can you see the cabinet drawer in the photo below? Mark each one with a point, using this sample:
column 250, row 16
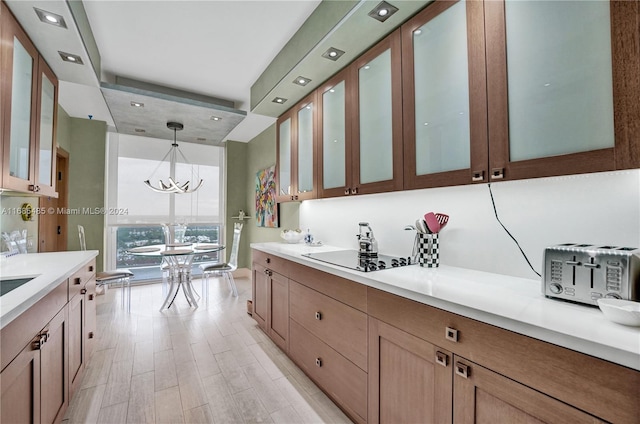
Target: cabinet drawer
column 342, row 381
column 274, row 263
column 346, row 291
column 79, row 278
column 338, row 325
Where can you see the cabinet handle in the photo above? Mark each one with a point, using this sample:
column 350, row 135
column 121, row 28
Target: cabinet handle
column 497, row 173
column 76, row 281
column 477, row 176
column 463, row 370
column 268, row 260
column 268, row 272
column 90, row 297
column 354, row 190
column 347, row 191
column 442, row 359
column 318, row 362
column 34, row 188
column 91, row 334
column 451, row 334
column 44, row 336
column 90, row 268
column 318, row 316
column 38, row 342
column 83, row 291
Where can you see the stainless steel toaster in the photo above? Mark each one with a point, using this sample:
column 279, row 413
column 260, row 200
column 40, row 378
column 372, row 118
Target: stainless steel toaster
column 585, row 272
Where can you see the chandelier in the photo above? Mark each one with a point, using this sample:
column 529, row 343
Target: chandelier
column 173, row 154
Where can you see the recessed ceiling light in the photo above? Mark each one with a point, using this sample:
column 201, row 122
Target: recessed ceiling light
column 332, row 54
column 201, row 139
column 383, row 11
column 50, row 18
column 139, row 130
column 216, row 118
column 279, row 100
column 137, row 104
column 73, row 58
column 301, row 81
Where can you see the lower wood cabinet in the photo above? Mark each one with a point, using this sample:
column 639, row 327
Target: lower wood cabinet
column 35, row 383
column 343, row 381
column 20, row 387
column 44, row 350
column 386, row 359
column 483, row 396
column 271, row 303
column 410, row 380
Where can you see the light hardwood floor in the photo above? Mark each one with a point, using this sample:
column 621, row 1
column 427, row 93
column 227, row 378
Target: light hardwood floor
column 206, row 365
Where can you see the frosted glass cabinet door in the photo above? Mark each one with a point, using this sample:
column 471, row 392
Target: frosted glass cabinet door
column 305, row 154
column 555, row 79
column 284, row 158
column 20, row 125
column 378, row 127
column 444, row 102
column 46, row 131
column 334, row 134
column 19, row 63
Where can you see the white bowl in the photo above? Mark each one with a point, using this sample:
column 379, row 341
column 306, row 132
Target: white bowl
column 621, row 311
column 292, row 236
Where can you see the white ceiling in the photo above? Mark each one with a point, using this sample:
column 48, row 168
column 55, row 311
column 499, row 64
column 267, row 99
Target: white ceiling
column 213, row 48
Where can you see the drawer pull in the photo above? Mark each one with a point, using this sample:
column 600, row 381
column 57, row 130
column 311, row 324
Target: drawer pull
column 318, row 362
column 83, row 291
column 463, row 370
column 268, row 260
column 442, row 359
column 76, row 280
column 90, row 297
column 90, row 268
column 451, row 334
column 91, row 334
column 318, row 316
column 268, row 272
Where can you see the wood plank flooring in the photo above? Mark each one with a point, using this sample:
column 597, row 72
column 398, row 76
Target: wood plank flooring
column 184, row 365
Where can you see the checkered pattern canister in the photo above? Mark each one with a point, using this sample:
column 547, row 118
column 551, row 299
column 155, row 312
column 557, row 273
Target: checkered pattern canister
column 429, row 250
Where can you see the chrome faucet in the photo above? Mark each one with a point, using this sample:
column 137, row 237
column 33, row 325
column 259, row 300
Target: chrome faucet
column 366, row 241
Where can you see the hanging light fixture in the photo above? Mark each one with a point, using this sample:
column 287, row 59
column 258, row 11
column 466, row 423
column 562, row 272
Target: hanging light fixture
column 173, row 154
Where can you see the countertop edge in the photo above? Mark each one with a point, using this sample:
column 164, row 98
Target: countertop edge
column 7, row 317
column 568, row 341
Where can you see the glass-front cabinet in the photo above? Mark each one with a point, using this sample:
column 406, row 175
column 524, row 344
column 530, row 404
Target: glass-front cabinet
column 296, row 144
column 377, row 118
column 29, row 104
column 562, row 87
column 334, row 136
column 444, row 80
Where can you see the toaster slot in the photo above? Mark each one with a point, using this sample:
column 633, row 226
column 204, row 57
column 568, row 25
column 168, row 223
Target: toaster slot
column 573, row 263
column 592, row 266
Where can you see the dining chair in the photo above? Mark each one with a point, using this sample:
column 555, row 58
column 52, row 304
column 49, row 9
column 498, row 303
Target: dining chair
column 104, row 278
column 223, row 269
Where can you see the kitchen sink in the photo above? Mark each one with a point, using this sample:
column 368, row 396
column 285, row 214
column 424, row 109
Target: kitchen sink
column 8, row 284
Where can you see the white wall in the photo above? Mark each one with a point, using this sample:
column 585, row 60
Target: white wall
column 601, row 208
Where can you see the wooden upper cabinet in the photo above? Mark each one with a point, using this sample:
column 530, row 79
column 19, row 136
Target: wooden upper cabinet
column 29, row 112
column 377, row 118
column 334, row 136
column 445, row 103
column 296, row 152
column 562, row 79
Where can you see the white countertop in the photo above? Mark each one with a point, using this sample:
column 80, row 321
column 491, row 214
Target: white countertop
column 512, row 303
column 50, row 270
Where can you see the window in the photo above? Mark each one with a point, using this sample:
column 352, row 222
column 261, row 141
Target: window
column 131, row 160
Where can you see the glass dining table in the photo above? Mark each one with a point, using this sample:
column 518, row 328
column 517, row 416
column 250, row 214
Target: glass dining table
column 179, row 260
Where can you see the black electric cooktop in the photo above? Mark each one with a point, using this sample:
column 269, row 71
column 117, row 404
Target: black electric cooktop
column 351, row 259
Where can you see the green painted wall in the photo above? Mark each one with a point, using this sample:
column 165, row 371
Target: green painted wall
column 86, row 183
column 236, row 183
column 63, row 134
column 261, row 153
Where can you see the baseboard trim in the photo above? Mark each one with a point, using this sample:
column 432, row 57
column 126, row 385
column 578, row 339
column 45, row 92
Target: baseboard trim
column 242, row 273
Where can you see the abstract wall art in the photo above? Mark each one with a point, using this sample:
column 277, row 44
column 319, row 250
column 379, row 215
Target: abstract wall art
column 266, row 205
